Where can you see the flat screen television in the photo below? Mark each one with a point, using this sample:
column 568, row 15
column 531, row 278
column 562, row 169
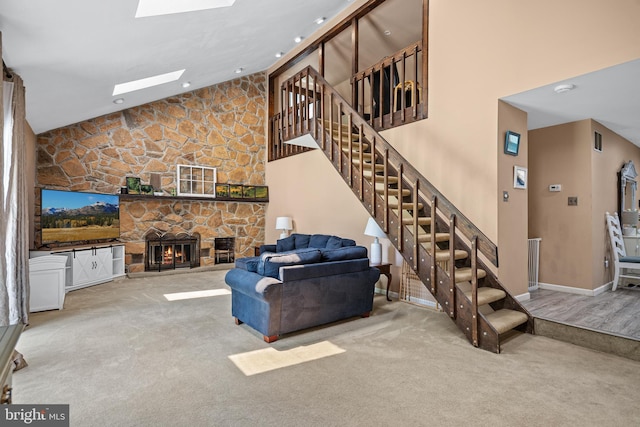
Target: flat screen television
column 75, row 216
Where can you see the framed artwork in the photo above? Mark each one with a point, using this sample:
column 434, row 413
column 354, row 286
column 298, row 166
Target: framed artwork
column 248, row 192
column 133, row 185
column 262, row 192
column 222, row 190
column 519, row 177
column 235, row 191
column 511, row 143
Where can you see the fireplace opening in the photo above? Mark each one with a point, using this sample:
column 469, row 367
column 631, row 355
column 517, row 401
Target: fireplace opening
column 224, row 249
column 168, row 251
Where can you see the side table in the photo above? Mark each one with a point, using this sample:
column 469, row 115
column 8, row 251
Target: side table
column 385, row 268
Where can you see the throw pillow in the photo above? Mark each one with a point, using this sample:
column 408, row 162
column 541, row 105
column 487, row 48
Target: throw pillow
column 286, row 244
column 302, row 241
column 319, row 241
column 334, row 242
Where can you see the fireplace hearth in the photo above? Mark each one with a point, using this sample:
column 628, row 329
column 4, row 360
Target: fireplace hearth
column 168, row 251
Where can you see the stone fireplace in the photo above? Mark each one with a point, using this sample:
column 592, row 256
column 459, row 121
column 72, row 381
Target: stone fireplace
column 221, row 126
column 168, row 251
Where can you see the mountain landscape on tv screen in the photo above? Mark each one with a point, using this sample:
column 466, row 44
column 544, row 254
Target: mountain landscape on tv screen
column 97, row 221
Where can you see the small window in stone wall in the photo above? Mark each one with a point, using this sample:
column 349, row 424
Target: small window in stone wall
column 196, row 181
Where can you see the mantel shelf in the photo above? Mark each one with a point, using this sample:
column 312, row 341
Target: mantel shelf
column 134, row 197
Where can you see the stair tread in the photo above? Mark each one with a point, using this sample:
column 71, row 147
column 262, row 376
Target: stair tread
column 394, row 192
column 464, row 274
column 406, row 205
column 422, row 220
column 487, row 295
column 504, row 320
column 440, row 237
column 356, row 153
column 443, row 254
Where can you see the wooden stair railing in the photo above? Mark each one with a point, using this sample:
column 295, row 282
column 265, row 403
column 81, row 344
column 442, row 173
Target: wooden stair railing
column 403, row 101
column 444, row 248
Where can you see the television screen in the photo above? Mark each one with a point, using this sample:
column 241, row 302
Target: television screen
column 74, row 216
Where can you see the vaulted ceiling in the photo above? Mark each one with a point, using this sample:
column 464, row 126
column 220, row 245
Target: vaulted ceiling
column 71, row 53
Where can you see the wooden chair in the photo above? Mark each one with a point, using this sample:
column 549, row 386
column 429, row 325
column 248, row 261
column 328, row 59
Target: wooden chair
column 407, row 87
column 621, row 261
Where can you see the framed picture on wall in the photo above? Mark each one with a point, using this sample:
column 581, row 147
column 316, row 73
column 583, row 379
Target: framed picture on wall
column 511, row 143
column 222, row 190
column 519, row 177
column 133, row 185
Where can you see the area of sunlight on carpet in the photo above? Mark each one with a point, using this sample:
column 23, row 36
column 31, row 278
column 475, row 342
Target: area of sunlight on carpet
column 197, row 294
column 269, row 359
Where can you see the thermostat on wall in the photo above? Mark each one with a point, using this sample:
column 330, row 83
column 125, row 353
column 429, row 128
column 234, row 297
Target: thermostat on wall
column 555, row 187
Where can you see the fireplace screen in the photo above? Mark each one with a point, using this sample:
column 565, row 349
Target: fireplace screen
column 168, row 252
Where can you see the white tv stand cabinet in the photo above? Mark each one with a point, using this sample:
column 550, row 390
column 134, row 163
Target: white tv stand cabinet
column 89, row 265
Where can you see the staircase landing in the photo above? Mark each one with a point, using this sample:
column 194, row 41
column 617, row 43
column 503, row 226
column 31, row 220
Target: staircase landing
column 607, row 322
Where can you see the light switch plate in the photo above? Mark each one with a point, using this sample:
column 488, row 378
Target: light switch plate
column 555, row 187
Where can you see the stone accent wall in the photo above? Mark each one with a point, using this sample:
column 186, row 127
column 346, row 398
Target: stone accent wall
column 221, row 126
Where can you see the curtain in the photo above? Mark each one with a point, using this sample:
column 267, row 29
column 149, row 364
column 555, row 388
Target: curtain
column 14, row 233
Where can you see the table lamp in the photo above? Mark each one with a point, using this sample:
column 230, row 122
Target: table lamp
column 284, row 223
column 372, row 229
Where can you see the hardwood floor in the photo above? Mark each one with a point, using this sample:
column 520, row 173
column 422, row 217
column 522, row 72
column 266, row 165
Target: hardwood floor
column 615, row 313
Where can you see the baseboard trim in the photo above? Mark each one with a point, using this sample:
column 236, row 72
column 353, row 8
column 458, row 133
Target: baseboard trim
column 523, row 297
column 577, row 291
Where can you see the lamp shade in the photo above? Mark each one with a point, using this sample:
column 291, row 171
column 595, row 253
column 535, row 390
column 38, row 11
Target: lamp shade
column 373, row 229
column 284, row 223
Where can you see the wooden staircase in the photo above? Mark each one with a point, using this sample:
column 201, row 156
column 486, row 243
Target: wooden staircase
column 443, row 247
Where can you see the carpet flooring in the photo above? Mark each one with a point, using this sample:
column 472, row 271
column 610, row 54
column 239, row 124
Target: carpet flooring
column 122, row 354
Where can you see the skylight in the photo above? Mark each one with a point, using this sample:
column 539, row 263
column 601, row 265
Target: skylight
column 167, row 7
column 121, row 88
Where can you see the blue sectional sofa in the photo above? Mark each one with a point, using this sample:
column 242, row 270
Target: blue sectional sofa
column 300, row 282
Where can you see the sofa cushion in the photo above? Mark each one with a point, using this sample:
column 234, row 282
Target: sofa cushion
column 319, row 241
column 270, row 263
column 286, row 244
column 344, row 253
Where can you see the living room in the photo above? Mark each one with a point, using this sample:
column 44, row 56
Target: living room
column 142, row 140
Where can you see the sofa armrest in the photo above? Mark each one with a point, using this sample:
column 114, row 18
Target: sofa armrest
column 267, row 248
column 252, row 284
column 307, row 271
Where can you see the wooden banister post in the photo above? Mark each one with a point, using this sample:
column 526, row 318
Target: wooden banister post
column 474, row 290
column 432, row 231
column 452, row 263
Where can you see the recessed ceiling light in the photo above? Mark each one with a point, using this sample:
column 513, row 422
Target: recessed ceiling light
column 298, row 39
column 239, row 70
column 118, row 101
column 564, row 88
column 320, row 20
column 186, row 84
column 279, row 54
column 121, row 88
column 167, row 7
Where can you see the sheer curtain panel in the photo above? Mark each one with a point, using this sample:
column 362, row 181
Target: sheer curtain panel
column 14, row 234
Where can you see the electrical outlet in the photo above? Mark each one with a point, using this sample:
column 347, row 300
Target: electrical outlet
column 573, row 201
column 606, row 263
